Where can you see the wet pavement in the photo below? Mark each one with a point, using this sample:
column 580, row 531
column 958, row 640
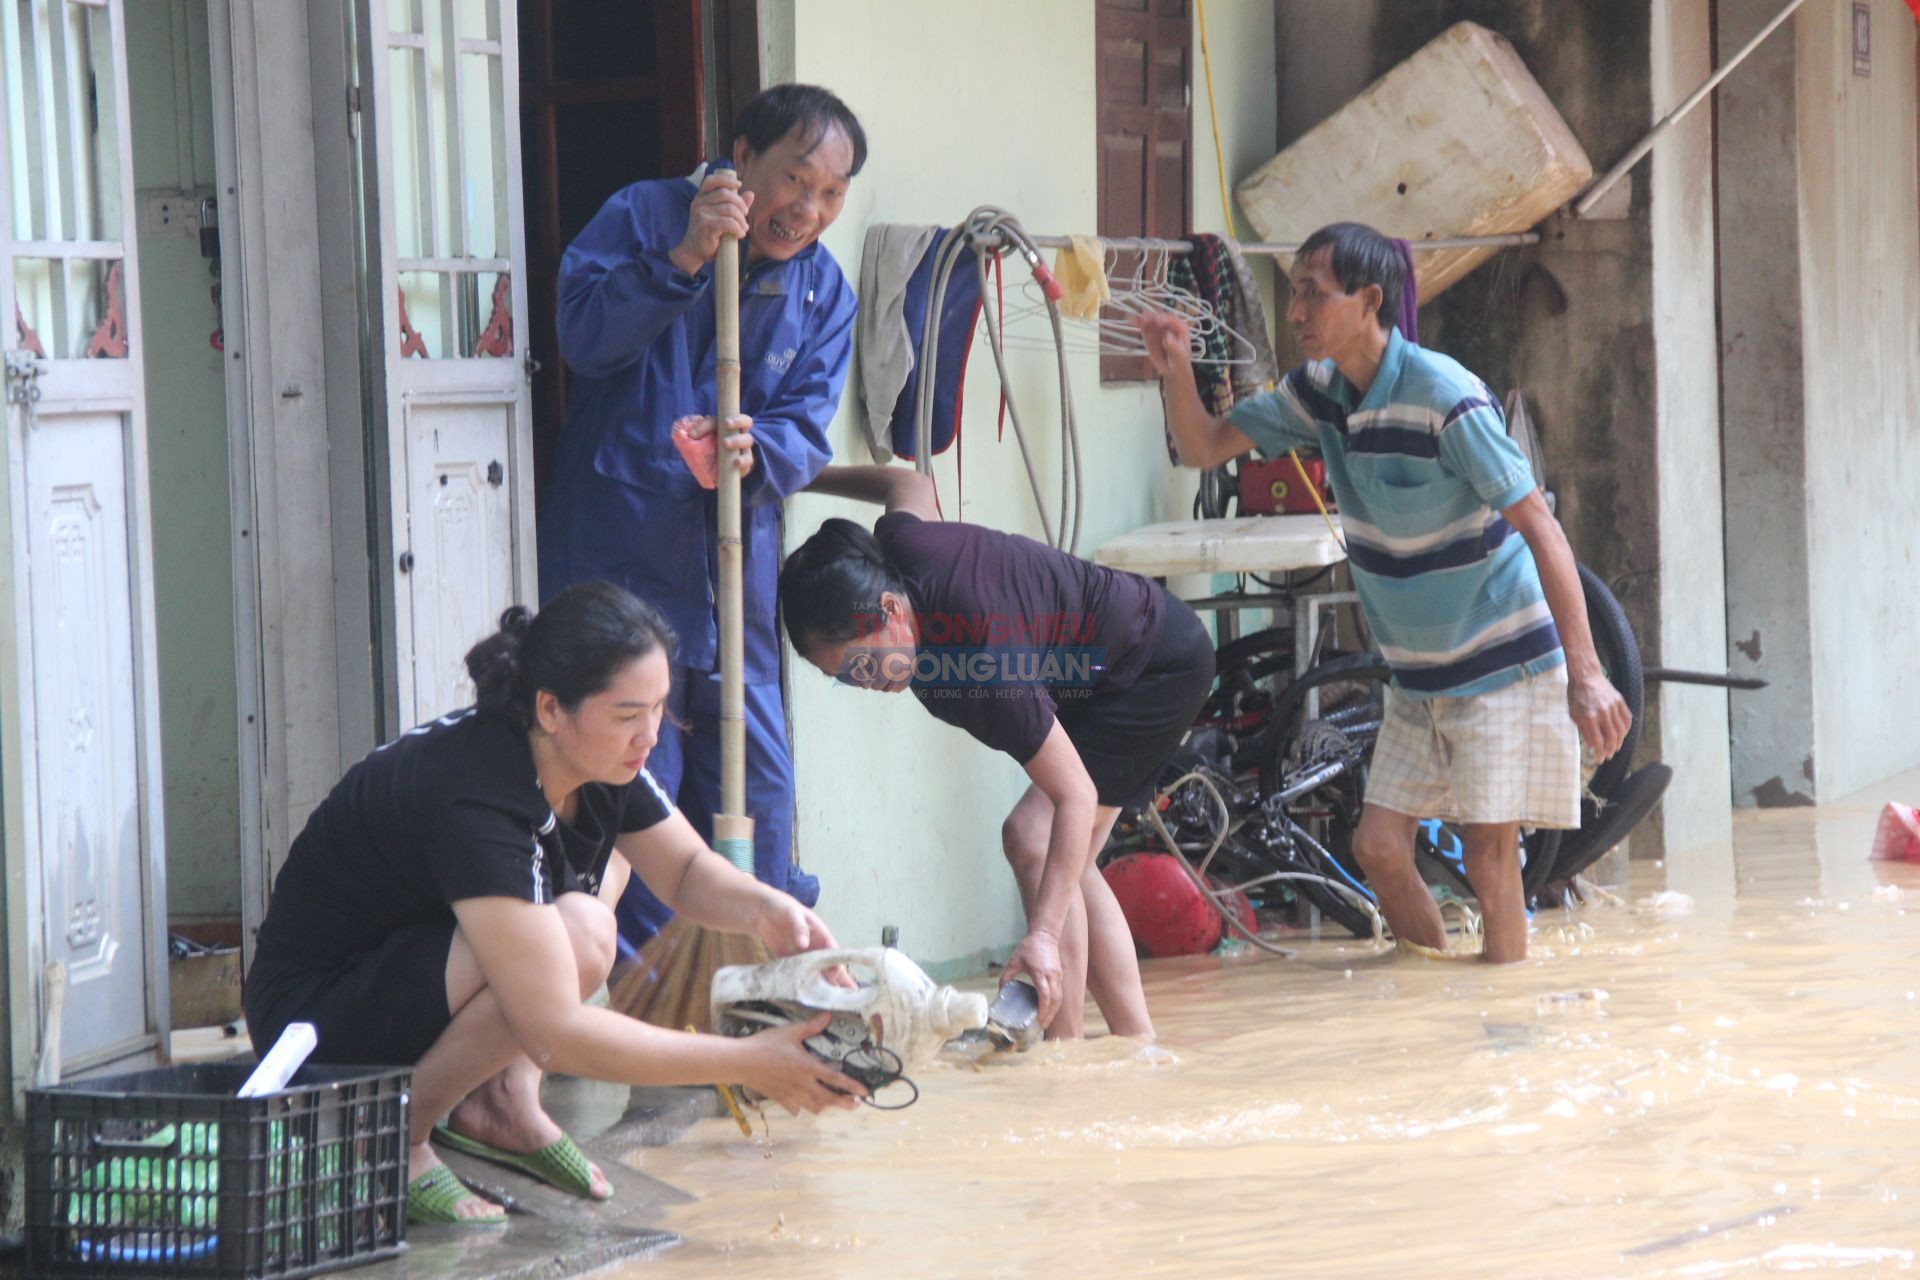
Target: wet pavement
column 550, row 1234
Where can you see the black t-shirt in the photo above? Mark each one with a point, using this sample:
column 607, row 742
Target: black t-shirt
column 450, row 810
column 1053, row 627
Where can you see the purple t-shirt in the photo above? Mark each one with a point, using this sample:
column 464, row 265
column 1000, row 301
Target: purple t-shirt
column 1025, row 627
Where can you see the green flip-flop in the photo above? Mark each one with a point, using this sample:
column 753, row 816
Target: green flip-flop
column 436, row 1196
column 559, row 1164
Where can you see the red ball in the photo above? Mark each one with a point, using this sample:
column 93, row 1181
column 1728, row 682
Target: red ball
column 1166, row 911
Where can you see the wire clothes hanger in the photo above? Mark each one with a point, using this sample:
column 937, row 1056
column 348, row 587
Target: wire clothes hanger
column 1141, row 289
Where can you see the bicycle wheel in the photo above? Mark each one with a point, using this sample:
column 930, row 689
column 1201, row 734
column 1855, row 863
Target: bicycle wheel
column 1336, row 904
column 1248, row 673
column 1299, row 740
column 1351, row 692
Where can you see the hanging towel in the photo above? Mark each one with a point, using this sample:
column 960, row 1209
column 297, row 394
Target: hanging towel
column 883, row 351
column 1409, row 296
column 1081, row 270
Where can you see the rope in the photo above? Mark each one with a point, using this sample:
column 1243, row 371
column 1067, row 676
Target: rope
column 1226, row 208
column 1313, row 491
column 1219, row 155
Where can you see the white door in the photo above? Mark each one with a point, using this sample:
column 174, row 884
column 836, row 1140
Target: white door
column 450, row 333
column 79, row 708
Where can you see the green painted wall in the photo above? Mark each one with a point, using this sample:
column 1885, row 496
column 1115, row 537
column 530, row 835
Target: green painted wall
column 170, row 97
column 899, row 814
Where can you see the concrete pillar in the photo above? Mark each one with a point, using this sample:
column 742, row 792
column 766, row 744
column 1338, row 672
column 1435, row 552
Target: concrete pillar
column 1690, row 721
column 1820, row 296
column 1763, row 395
column 1860, row 293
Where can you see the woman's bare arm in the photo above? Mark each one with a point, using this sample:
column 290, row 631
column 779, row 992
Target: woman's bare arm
column 527, row 960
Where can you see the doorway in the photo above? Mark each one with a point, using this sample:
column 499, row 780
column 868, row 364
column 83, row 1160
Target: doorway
column 175, row 213
column 611, row 92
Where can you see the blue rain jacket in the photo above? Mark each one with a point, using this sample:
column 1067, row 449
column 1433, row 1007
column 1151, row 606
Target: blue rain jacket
column 637, row 332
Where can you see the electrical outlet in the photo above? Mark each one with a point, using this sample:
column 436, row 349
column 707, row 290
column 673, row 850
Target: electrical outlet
column 169, row 214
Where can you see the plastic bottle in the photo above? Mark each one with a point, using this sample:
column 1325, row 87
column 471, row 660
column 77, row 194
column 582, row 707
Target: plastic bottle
column 895, row 1005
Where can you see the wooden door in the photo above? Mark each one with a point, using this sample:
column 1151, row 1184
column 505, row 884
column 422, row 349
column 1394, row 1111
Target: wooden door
column 1143, row 87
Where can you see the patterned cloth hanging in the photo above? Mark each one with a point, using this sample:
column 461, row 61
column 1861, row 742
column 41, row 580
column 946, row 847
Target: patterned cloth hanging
column 1238, row 303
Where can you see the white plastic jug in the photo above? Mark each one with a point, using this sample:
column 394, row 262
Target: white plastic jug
column 896, row 1006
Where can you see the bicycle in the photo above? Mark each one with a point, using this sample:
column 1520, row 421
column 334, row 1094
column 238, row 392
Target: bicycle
column 1268, row 791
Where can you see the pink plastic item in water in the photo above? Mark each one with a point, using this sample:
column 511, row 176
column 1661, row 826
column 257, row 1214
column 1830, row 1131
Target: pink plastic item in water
column 1898, row 837
column 699, row 454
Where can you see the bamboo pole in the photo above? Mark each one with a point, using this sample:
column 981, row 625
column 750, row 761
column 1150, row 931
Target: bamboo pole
column 732, row 828
column 667, row 983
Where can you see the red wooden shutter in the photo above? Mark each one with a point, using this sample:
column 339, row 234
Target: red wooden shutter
column 1141, row 87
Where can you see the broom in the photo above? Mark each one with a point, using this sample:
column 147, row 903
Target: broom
column 668, row 981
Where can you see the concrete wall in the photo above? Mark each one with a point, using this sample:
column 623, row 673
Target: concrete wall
column 900, row 814
column 1820, row 290
column 1617, row 365
column 1860, row 294
column 170, row 89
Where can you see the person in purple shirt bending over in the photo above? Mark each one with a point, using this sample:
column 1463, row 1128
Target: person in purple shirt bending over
column 1086, row 676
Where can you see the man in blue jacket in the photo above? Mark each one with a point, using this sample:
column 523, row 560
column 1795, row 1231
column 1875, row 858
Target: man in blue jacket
column 636, row 328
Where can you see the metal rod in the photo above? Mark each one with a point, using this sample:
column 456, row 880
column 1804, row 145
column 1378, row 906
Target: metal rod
column 1714, row 679
column 1282, row 250
column 1592, row 196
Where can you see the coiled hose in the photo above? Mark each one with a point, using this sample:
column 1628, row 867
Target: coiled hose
column 989, row 232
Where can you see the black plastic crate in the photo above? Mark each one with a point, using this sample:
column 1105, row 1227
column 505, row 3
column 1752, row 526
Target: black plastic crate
column 167, row 1173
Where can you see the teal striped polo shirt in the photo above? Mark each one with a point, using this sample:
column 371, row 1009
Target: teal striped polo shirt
column 1422, row 466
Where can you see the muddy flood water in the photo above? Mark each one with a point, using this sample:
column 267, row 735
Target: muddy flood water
column 1723, row 1083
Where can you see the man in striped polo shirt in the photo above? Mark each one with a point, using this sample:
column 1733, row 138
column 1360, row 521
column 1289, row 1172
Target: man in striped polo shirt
column 1495, row 679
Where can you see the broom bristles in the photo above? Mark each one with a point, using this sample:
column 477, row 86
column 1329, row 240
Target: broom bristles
column 668, row 983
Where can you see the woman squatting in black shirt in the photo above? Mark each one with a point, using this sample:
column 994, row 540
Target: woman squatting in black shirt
column 449, row 905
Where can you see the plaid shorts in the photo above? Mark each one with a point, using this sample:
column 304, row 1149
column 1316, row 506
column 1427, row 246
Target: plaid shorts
column 1512, row 755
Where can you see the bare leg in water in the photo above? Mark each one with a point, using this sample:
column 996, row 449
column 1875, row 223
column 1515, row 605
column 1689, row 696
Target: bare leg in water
column 1383, row 846
column 1096, row 948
